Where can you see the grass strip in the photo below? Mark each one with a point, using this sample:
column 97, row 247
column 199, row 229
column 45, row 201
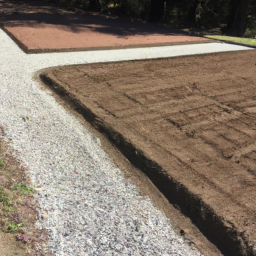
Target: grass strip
column 238, row 40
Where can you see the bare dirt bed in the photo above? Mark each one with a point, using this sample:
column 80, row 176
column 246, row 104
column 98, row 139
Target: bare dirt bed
column 189, row 124
column 38, row 26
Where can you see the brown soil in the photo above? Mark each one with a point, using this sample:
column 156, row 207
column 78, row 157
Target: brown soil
column 189, row 124
column 39, row 27
column 9, row 246
column 181, row 223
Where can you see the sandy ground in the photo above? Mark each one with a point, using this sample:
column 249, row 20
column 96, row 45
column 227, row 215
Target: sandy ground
column 189, row 124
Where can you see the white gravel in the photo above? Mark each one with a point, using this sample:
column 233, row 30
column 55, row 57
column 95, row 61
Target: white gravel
column 86, row 205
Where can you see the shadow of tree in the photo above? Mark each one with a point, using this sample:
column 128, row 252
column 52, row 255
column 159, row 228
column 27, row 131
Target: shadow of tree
column 37, row 13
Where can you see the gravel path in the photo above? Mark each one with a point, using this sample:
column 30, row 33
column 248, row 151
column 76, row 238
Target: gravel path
column 86, row 205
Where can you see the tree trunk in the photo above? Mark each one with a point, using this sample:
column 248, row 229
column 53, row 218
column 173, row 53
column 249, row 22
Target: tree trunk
column 94, row 5
column 168, row 10
column 156, row 10
column 191, row 13
column 239, row 17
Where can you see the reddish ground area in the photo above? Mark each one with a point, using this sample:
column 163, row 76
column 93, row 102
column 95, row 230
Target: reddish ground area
column 189, row 123
column 38, row 27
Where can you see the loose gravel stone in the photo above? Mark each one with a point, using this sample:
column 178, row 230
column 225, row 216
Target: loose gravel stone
column 86, row 205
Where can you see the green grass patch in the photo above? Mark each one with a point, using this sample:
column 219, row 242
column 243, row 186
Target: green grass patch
column 1, row 163
column 4, row 197
column 14, row 227
column 239, row 40
column 23, row 188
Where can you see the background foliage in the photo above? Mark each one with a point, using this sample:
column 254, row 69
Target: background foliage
column 226, row 15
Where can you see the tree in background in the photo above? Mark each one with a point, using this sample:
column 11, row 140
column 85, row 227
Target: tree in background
column 156, row 10
column 94, row 5
column 234, row 15
column 135, row 8
column 180, row 13
column 211, row 13
column 238, row 16
column 251, row 20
